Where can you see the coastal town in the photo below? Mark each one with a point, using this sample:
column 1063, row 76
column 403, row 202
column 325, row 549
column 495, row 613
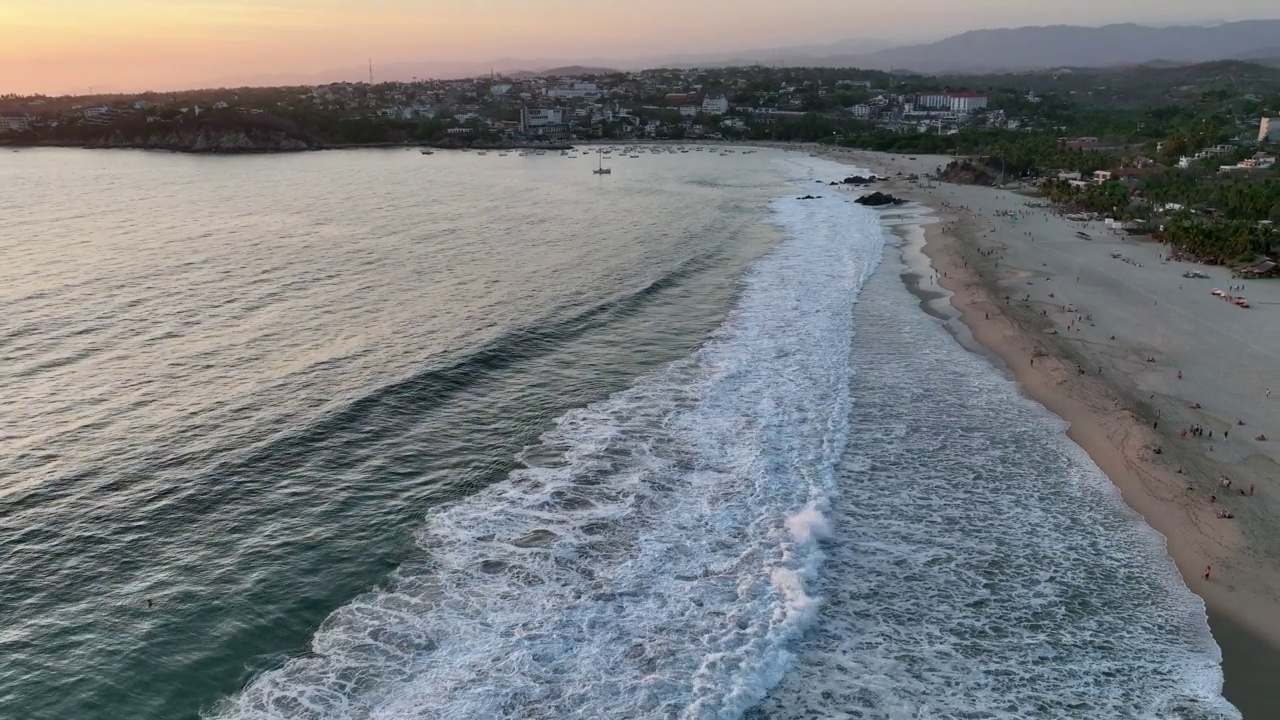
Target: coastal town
column 1188, row 154
column 713, row 104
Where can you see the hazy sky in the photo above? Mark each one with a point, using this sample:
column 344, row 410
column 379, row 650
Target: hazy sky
column 61, row 46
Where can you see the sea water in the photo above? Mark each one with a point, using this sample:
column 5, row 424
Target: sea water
column 829, row 510
column 821, row 507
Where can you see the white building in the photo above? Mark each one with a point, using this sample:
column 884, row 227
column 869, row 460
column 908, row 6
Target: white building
column 933, row 100
column 575, row 90
column 499, row 89
column 541, row 117
column 715, row 105
column 1269, row 130
column 99, row 111
column 967, row 102
column 862, row 112
column 14, row 123
column 688, row 110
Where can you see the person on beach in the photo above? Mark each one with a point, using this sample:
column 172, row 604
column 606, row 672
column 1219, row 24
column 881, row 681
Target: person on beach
column 1207, row 569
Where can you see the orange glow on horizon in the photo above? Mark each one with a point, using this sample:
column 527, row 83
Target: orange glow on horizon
column 66, row 46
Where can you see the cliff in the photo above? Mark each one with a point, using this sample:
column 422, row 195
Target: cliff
column 205, row 140
column 233, row 134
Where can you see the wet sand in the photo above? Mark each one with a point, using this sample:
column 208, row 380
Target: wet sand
column 1045, row 303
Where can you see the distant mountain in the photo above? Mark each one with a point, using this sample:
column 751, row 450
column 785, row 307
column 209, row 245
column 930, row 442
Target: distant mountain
column 1031, row 48
column 978, row 51
column 566, row 71
column 444, row 69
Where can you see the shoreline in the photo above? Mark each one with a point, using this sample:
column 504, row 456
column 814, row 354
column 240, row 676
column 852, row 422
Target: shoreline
column 1108, row 417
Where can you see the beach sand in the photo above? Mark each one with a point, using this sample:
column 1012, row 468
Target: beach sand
column 1046, row 304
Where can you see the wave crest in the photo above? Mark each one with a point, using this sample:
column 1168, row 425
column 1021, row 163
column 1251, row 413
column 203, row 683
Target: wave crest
column 650, row 559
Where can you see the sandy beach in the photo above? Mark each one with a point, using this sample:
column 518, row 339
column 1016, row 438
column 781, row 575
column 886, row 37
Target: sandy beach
column 1107, row 334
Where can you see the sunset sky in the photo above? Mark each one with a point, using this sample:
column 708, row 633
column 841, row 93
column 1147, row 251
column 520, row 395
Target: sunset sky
column 68, row 46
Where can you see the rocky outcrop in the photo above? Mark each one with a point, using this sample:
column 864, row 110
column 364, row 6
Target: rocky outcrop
column 207, row 140
column 964, row 172
column 229, row 132
column 879, row 199
column 858, row 180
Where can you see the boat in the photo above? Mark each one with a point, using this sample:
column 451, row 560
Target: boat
column 635, row 156
column 427, row 151
column 502, row 154
column 483, row 152
column 602, row 170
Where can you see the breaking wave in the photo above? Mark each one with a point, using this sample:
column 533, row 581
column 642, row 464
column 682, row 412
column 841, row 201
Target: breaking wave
column 654, row 555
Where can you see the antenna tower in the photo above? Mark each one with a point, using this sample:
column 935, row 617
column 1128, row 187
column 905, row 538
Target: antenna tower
column 370, row 71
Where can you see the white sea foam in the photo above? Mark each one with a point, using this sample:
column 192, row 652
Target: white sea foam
column 654, row 557
column 981, row 566
column 659, row 555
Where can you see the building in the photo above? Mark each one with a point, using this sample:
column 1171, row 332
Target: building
column 102, row 115
column 933, row 100
column 577, row 90
column 500, row 89
column 715, row 105
column 1269, row 130
column 541, row 117
column 862, row 112
column 546, row 123
column 689, row 110
column 1080, row 143
column 678, row 99
column 967, row 102
column 14, row 123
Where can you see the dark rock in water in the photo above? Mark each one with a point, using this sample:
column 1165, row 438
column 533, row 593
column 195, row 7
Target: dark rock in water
column 878, row 199
column 833, row 182
column 858, row 180
column 810, row 197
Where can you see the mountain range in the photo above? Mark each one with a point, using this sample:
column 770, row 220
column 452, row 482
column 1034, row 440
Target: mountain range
column 976, row 51
column 1035, row 48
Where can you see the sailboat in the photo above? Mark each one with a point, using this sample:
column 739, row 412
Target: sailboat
column 602, row 170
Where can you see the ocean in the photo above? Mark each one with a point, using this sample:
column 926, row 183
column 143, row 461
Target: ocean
column 370, row 434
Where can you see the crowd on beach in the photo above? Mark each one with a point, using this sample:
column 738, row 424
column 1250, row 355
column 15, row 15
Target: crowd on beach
column 1076, row 320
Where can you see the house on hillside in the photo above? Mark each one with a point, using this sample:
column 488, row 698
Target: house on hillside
column 715, row 105
column 14, row 123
